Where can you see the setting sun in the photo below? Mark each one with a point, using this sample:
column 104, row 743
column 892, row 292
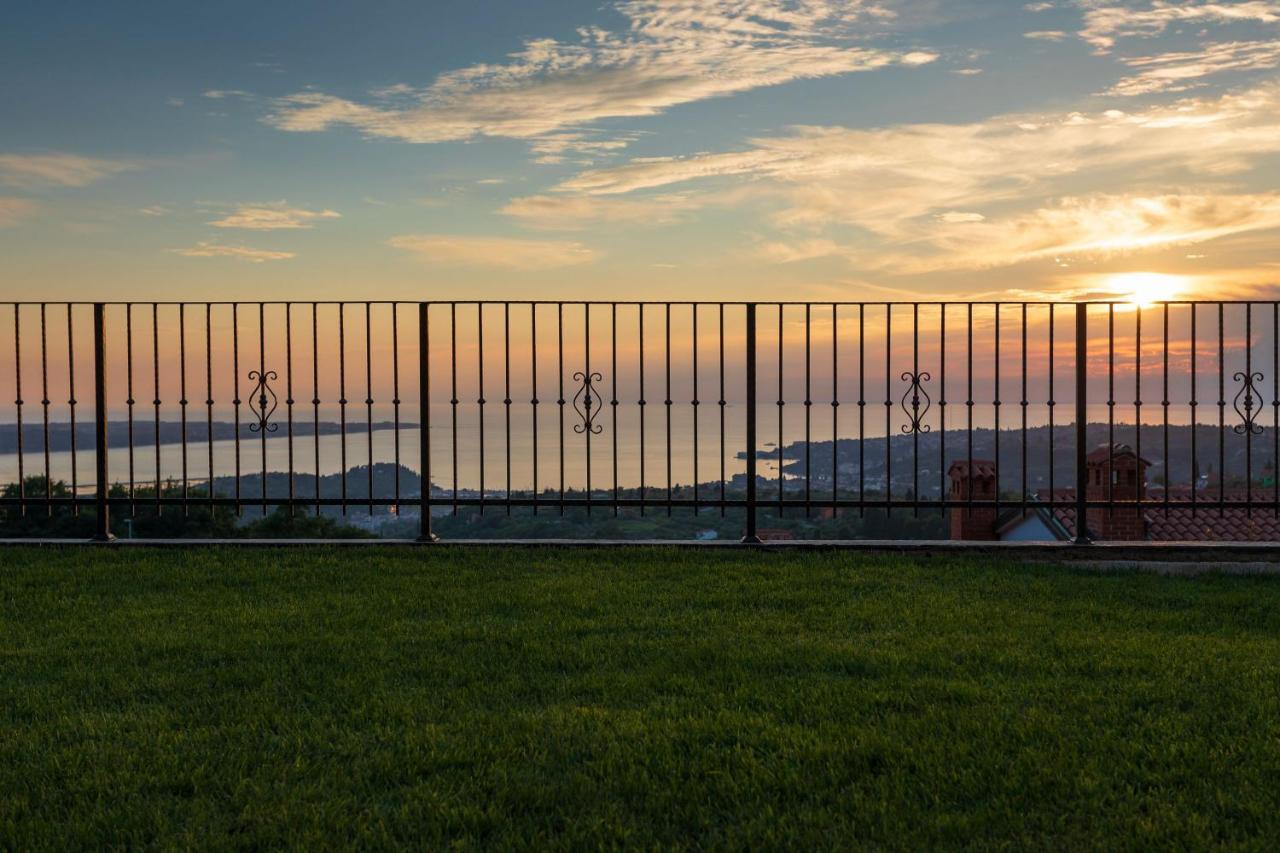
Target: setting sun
column 1146, row 288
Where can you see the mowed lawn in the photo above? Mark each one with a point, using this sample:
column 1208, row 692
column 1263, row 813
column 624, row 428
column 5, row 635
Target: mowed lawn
column 491, row 698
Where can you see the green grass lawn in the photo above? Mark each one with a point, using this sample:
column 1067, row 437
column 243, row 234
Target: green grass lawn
column 503, row 698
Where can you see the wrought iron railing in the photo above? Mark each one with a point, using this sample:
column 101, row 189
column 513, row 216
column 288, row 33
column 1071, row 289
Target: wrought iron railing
column 540, row 407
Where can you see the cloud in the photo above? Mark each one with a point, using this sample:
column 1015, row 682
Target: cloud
column 205, row 249
column 272, row 216
column 959, row 216
column 1178, row 71
column 154, row 210
column 787, row 252
column 572, row 212
column 501, row 252
column 14, row 210
column 670, row 52
column 1046, row 35
column 1104, row 24
column 903, row 197
column 56, row 170
column 1099, row 225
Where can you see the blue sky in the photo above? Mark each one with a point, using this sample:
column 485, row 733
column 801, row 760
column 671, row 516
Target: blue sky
column 818, row 149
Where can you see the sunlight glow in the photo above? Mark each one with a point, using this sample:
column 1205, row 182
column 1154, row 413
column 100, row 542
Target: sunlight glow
column 1146, row 288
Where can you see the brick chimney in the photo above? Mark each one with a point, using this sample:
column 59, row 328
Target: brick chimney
column 1126, row 473
column 977, row 523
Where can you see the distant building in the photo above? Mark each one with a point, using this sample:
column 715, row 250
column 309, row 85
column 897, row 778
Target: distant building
column 1114, row 473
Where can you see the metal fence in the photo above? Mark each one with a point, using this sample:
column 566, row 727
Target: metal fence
column 639, row 407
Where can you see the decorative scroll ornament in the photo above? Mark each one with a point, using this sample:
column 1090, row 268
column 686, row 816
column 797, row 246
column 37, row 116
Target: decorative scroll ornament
column 263, row 401
column 1248, row 403
column 590, row 405
column 913, row 409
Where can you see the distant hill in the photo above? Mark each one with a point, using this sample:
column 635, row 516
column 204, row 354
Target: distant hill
column 144, row 432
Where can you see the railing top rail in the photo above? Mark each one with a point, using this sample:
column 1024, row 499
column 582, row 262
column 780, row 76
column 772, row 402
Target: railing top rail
column 737, row 302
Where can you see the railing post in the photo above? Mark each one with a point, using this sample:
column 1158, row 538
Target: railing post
column 1082, row 469
column 102, row 533
column 750, row 537
column 424, row 424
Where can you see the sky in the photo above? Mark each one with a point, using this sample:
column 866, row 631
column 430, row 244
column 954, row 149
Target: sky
column 640, row 149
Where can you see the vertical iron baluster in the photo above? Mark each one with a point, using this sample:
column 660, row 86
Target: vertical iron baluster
column 1137, row 395
column 750, row 536
column 208, row 404
column 235, row 401
column 995, row 403
column 696, row 508
column 808, row 407
column 586, row 345
column 155, row 359
column 289, row 401
column 1023, row 403
column 1082, row 390
column 667, row 401
column 1275, row 405
column 17, row 373
column 533, row 400
column 1195, row 459
column 721, row 403
column 641, row 404
column 781, row 402
column 315, row 397
column 1052, row 406
column 1111, row 404
column 1222, row 411
column 1165, row 404
column 182, row 403
column 342, row 398
column 613, row 401
column 130, row 401
column 424, row 423
column 835, row 409
column 453, row 394
column 44, row 403
column 1248, row 432
column 71, row 405
column 102, row 482
column 888, row 407
column 915, row 432
column 262, row 377
column 506, row 397
column 862, row 411
column 560, row 401
column 368, row 397
column 942, row 405
column 480, row 389
column 969, row 406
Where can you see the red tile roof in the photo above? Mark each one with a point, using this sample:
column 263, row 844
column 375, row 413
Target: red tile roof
column 1205, row 523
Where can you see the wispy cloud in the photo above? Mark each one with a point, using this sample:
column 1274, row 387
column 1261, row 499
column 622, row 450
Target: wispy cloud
column 1105, row 23
column 1046, row 35
column 57, row 170
column 500, row 252
column 671, row 52
column 272, row 216
column 205, row 249
column 1180, row 70
column 573, row 212
column 1000, row 191
column 14, row 210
